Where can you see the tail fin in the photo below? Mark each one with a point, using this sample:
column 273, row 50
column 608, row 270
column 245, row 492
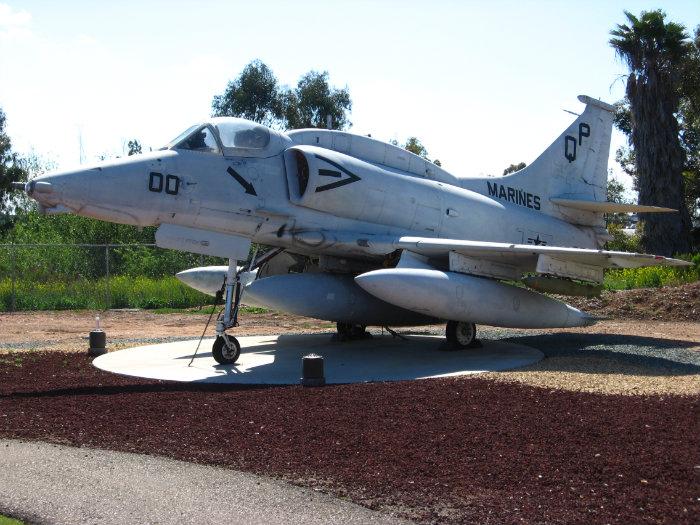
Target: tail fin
column 569, row 179
column 573, row 168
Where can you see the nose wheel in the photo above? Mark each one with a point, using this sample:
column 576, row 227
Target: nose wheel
column 461, row 334
column 226, row 349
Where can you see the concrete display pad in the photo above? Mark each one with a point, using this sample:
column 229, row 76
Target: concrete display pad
column 277, row 359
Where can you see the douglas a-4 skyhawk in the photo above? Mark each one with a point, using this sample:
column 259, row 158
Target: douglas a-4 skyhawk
column 372, row 234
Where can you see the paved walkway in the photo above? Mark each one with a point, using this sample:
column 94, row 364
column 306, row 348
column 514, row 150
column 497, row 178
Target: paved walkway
column 48, row 483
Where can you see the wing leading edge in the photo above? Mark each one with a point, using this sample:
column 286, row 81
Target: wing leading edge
column 521, row 253
column 511, row 261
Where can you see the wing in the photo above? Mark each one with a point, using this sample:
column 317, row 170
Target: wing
column 510, row 261
column 522, row 253
column 491, row 259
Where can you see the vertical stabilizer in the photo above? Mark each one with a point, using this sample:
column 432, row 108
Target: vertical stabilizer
column 573, row 167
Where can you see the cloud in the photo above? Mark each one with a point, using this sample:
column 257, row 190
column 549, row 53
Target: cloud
column 85, row 40
column 14, row 23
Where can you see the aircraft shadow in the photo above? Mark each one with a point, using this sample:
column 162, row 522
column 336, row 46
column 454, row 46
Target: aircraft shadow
column 623, row 354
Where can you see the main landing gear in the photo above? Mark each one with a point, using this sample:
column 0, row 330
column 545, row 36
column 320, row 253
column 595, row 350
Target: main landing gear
column 226, row 348
column 461, row 334
column 351, row 332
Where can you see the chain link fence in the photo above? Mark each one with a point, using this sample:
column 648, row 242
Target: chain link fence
column 96, row 276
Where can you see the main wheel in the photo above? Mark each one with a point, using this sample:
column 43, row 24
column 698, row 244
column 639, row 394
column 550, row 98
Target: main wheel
column 344, row 331
column 226, row 353
column 351, row 332
column 460, row 334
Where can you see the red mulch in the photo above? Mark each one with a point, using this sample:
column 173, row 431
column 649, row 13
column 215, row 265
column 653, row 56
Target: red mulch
column 448, row 451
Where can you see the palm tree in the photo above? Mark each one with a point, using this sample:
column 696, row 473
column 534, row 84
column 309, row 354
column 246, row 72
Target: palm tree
column 654, row 52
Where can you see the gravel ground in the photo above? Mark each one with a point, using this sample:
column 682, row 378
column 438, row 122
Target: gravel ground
column 453, row 450
column 607, row 358
column 65, row 485
column 612, row 363
column 605, row 429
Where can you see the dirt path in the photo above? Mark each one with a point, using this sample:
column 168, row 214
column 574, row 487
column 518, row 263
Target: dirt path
column 67, row 331
column 613, row 356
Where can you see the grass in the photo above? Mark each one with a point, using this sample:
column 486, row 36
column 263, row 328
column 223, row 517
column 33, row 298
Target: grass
column 651, row 276
column 208, row 309
column 4, row 520
column 169, row 295
column 118, row 292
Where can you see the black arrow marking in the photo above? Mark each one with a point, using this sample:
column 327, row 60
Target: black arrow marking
column 248, row 186
column 331, row 173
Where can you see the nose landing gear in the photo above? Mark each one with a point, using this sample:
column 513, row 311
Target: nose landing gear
column 226, row 348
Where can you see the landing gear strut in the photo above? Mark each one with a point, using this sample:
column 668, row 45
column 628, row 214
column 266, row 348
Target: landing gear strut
column 226, row 348
column 461, row 334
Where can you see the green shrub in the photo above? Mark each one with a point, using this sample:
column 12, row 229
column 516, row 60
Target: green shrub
column 120, row 292
column 652, row 276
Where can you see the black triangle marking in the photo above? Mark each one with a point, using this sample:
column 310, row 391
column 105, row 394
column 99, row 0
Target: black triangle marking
column 330, row 173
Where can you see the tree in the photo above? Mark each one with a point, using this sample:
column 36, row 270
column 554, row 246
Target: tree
column 615, row 193
column 513, row 168
column 314, row 102
column 655, row 51
column 10, row 171
column 689, row 118
column 134, row 147
column 416, row 147
column 255, row 95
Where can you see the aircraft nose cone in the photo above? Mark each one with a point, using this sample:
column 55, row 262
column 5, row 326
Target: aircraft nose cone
column 64, row 189
column 44, row 190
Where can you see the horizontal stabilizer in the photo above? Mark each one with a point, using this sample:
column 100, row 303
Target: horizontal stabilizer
column 609, row 207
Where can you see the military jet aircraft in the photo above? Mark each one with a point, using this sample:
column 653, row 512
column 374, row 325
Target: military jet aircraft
column 378, row 236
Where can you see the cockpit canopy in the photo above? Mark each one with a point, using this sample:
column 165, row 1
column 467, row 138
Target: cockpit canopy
column 232, row 137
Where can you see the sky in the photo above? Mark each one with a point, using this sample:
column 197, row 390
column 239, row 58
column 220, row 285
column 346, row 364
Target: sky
column 481, row 84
